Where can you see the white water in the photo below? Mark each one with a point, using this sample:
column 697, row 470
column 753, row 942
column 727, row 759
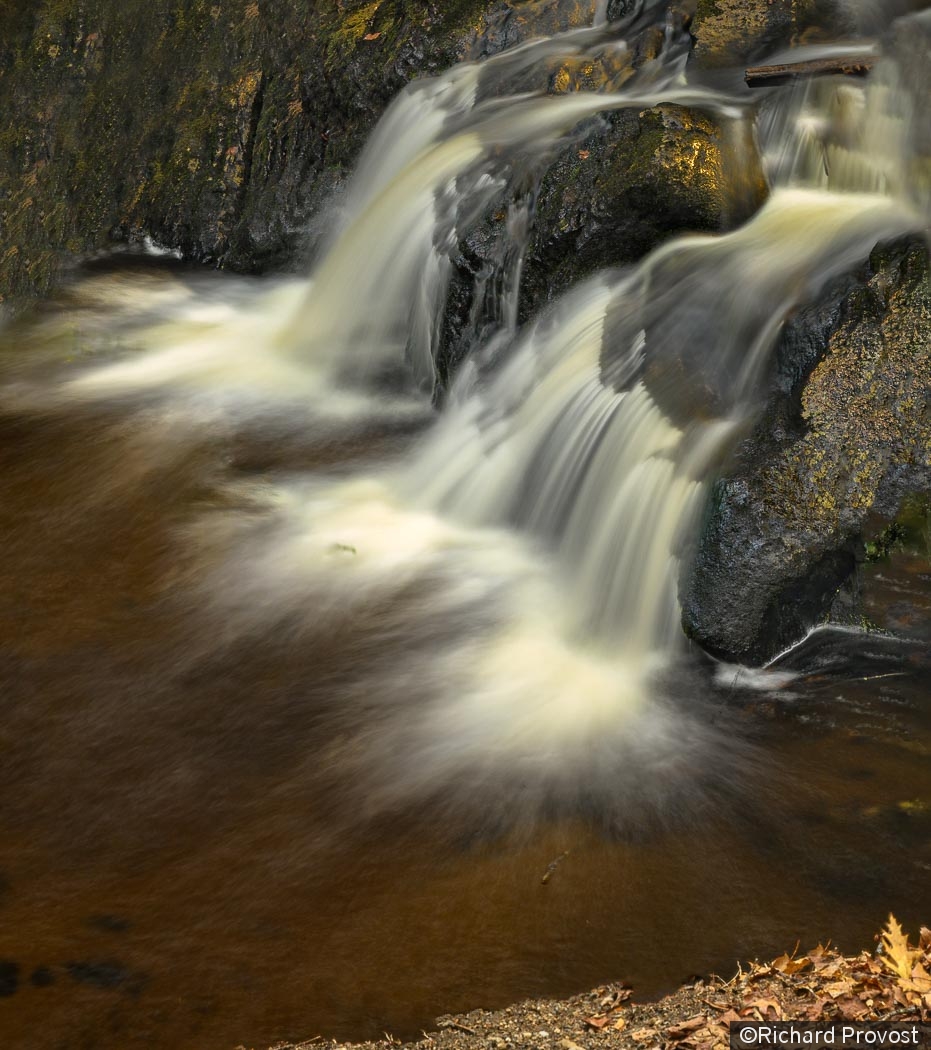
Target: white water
column 542, row 518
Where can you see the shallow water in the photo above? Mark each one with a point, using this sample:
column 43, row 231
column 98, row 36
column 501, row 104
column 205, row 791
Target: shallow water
column 203, row 841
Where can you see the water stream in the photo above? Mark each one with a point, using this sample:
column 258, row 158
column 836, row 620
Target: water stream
column 307, row 680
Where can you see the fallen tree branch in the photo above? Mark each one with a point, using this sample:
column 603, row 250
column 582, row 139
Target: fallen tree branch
column 845, row 65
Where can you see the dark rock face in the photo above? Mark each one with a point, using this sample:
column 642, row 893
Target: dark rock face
column 221, row 130
column 9, row 978
column 215, row 128
column 846, row 437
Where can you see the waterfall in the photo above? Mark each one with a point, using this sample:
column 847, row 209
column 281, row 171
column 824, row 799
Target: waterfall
column 535, row 529
column 441, row 156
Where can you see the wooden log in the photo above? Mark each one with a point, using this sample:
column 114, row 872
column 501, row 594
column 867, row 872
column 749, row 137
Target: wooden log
column 846, row 65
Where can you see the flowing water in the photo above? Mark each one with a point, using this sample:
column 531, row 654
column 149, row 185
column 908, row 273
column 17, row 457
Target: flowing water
column 307, row 682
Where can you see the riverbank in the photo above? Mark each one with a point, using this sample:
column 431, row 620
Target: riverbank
column 892, row 982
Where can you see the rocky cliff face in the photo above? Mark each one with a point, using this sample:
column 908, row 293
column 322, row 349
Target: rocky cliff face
column 213, row 127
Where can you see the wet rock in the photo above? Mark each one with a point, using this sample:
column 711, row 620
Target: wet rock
column 845, row 439
column 508, row 25
column 9, row 978
column 215, row 129
column 656, row 174
column 627, row 183
column 731, row 32
column 42, row 977
column 106, row 974
column 109, row 923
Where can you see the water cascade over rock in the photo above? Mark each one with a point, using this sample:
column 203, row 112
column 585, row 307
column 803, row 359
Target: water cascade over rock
column 564, row 482
column 333, row 606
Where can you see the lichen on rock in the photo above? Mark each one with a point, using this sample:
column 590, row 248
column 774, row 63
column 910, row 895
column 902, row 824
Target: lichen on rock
column 728, row 32
column 845, row 440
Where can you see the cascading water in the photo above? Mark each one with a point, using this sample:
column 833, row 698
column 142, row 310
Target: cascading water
column 462, row 618
column 565, row 479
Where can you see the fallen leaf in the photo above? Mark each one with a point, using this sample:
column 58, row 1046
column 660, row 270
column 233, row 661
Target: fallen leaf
column 839, row 988
column 921, row 976
column 681, row 1030
column 371, row 36
column 643, row 1035
column 731, row 1017
column 762, row 1007
column 788, row 965
column 852, row 1009
column 597, row 1022
column 619, row 995
column 899, row 957
column 815, row 1012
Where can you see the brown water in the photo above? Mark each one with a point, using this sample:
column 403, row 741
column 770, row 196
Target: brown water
column 186, row 858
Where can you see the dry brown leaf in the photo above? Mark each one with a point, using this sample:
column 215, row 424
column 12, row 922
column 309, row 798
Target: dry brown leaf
column 899, row 957
column 597, row 1022
column 920, row 979
column 852, row 1009
column 728, row 1018
column 831, row 968
column 788, row 965
column 371, row 36
column 837, row 989
column 681, row 1030
column 643, row 1035
column 615, row 997
column 815, row 1012
column 925, row 939
column 762, row 1008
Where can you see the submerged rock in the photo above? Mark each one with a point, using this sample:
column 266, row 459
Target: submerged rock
column 845, row 439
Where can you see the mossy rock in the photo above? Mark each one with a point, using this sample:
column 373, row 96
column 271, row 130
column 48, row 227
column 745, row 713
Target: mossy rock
column 731, row 32
column 844, row 444
column 214, row 127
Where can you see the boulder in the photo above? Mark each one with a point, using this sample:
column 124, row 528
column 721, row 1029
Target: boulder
column 844, row 440
column 733, row 32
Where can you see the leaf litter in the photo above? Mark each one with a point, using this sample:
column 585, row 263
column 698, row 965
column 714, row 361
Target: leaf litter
column 891, row 983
